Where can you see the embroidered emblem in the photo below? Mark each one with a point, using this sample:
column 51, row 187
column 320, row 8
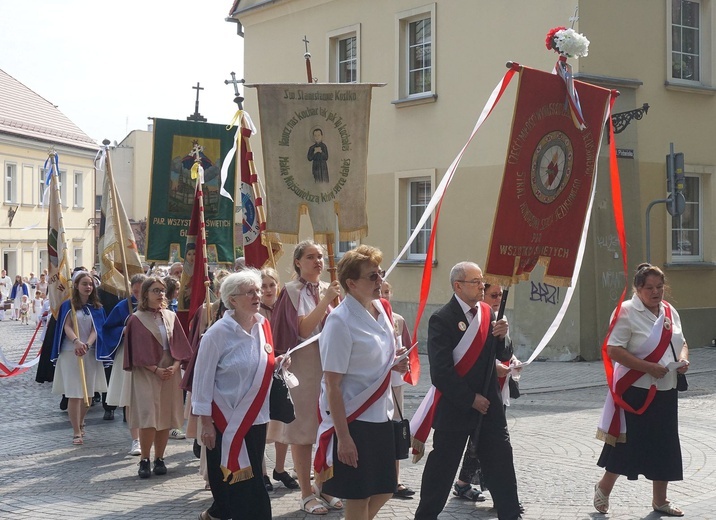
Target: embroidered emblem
column 268, row 348
column 667, row 323
column 462, row 326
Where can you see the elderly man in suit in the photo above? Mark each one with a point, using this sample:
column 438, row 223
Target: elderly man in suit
column 463, row 341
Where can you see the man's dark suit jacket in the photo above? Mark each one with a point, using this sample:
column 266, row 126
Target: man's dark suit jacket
column 454, row 412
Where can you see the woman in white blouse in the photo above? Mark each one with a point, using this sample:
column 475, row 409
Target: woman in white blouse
column 232, row 380
column 358, row 353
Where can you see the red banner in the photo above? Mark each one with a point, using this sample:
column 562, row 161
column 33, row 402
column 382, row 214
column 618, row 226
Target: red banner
column 548, row 180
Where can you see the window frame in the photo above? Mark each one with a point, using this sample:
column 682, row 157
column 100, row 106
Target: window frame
column 705, row 53
column 62, row 181
column 403, row 20
column 77, row 189
column 402, row 213
column 10, row 183
column 334, row 39
column 687, row 259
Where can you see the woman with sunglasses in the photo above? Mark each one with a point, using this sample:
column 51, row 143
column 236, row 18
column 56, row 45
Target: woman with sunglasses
column 299, row 314
column 156, row 347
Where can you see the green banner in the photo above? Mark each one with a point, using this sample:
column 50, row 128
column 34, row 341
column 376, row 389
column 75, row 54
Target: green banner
column 171, row 197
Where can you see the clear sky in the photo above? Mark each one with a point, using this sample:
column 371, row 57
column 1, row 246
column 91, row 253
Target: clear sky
column 108, row 65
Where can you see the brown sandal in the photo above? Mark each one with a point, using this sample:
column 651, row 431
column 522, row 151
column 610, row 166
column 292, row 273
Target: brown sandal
column 77, row 440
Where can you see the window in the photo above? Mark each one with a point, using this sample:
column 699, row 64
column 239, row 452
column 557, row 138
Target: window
column 343, row 54
column 10, row 182
column 686, row 229
column 77, row 256
column 77, row 190
column 340, row 247
column 61, row 177
column 418, row 197
column 685, row 40
column 41, row 186
column 416, row 52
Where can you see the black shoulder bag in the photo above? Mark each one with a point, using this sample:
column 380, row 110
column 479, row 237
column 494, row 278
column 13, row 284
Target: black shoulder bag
column 401, row 432
column 280, row 402
column 682, row 385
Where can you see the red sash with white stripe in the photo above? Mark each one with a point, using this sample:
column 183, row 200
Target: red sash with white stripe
column 236, row 422
column 464, row 356
column 612, row 424
column 323, row 461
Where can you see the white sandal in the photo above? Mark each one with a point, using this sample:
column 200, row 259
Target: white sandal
column 601, row 501
column 314, row 510
column 333, row 503
column 668, row 509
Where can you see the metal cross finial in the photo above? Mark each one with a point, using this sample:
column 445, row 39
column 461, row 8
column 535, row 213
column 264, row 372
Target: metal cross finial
column 238, row 99
column 306, row 42
column 196, row 116
column 574, row 18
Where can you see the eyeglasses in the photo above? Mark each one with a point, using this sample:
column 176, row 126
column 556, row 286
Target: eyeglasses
column 157, row 290
column 495, row 295
column 252, row 293
column 477, row 281
column 373, row 277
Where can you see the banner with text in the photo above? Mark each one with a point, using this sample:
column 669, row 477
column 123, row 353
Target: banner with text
column 176, row 144
column 548, row 180
column 315, row 147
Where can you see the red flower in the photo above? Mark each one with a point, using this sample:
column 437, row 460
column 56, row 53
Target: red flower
column 549, row 40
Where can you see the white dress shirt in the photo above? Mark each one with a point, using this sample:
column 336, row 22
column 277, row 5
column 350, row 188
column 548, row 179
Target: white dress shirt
column 226, row 365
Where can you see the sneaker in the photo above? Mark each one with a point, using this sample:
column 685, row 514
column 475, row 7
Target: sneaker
column 145, row 470
column 136, row 448
column 159, row 467
column 176, row 433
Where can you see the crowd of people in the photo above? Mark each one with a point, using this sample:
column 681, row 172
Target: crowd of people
column 346, row 352
column 23, row 298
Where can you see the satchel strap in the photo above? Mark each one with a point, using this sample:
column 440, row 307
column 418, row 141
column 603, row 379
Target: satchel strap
column 395, row 402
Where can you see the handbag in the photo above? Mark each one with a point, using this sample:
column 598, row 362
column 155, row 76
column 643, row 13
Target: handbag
column 280, row 402
column 514, row 388
column 682, row 385
column 401, row 433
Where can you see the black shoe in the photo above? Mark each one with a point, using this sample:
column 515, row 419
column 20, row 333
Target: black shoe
column 63, row 403
column 96, row 398
column 403, row 491
column 196, row 448
column 159, row 467
column 108, row 415
column 286, row 479
column 267, row 483
column 145, row 470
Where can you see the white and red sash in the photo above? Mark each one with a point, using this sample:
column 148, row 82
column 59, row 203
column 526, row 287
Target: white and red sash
column 323, row 460
column 236, row 422
column 612, row 424
column 464, row 356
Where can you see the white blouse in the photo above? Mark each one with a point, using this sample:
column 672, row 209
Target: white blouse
column 356, row 345
column 226, row 365
column 634, row 326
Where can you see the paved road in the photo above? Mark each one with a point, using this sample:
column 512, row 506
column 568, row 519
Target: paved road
column 552, row 427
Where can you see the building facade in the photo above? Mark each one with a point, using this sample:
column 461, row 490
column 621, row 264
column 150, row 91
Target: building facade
column 440, row 61
column 30, row 127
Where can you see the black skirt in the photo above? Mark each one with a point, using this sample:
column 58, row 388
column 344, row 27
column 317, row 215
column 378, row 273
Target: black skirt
column 652, row 445
column 375, row 473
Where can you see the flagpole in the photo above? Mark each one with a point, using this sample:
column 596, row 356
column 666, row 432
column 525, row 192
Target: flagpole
column 63, row 239
column 260, row 211
column 330, row 237
column 202, row 230
column 117, row 224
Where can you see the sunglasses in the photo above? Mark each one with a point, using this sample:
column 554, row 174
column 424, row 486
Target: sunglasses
column 373, row 277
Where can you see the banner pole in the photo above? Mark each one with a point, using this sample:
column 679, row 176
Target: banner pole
column 202, row 230
column 118, row 226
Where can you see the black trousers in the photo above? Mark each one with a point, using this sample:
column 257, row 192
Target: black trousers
column 495, row 454
column 107, row 375
column 247, row 499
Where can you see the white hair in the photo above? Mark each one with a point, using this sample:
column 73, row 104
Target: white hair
column 248, row 277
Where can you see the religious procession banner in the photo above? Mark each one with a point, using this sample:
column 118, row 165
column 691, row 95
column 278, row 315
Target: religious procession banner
column 548, row 180
column 58, row 269
column 176, row 144
column 315, row 147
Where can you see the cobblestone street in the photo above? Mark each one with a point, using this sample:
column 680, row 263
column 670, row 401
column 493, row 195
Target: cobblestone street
column 42, row 475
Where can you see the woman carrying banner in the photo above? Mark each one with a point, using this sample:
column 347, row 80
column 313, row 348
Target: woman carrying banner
column 232, row 380
column 298, row 314
column 69, row 344
column 640, row 429
column 358, row 350
column 270, row 284
column 156, row 347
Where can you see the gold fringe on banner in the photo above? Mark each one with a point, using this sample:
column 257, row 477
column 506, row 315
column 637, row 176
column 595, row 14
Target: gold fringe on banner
column 326, row 474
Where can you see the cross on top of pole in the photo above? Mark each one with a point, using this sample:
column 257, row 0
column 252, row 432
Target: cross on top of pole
column 574, row 18
column 238, row 99
column 306, row 42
